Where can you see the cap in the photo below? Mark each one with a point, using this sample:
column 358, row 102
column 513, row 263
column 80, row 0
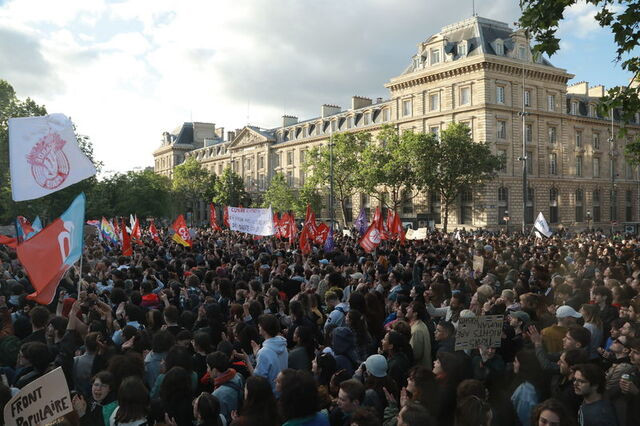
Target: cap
column 356, row 276
column 376, row 365
column 521, row 315
column 324, row 261
column 567, row 311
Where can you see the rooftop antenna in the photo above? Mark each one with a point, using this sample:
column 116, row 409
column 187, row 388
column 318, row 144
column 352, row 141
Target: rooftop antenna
column 248, row 112
column 473, row 6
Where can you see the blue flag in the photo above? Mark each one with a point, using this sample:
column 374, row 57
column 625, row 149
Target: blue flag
column 361, row 223
column 328, row 243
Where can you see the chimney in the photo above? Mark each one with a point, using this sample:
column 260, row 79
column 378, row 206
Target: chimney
column 288, row 120
column 327, row 110
column 596, row 91
column 166, row 137
column 580, row 88
column 231, row 135
column 220, row 133
column 378, row 100
column 358, row 102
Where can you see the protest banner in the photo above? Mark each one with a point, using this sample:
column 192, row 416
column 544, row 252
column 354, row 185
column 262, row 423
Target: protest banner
column 346, row 233
column 475, row 332
column 251, row 221
column 40, row 402
column 478, row 263
column 418, row 234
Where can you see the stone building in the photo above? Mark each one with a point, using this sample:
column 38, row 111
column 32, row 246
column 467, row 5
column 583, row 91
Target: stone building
column 472, row 72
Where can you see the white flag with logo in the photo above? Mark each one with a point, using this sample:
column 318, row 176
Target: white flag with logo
column 542, row 226
column 44, row 156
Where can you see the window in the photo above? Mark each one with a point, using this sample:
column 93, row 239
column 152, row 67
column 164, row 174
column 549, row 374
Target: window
column 527, row 98
column 596, row 167
column 435, row 56
column 499, row 48
column 500, row 94
column 289, row 158
column 579, row 166
column 528, row 213
column 434, row 102
column 334, row 125
column 435, row 130
column 367, row 119
column 613, row 205
column 592, row 110
column 385, row 115
column 596, row 140
column 434, row 207
column 261, row 162
column 628, row 171
column 579, row 138
column 303, row 153
column 502, row 153
column 407, row 202
column 553, row 135
column 551, row 102
column 574, row 108
column 290, row 178
column 529, row 162
column 462, row 49
column 553, row 163
column 305, row 132
column 302, row 177
column 406, row 107
column 628, row 206
column 349, row 122
column 579, row 205
column 465, row 96
column 596, row 205
column 466, row 206
column 503, row 204
column 529, row 133
column 553, row 205
column 501, row 129
column 612, row 167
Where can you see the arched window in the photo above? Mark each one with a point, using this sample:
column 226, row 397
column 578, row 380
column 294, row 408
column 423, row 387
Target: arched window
column 596, row 206
column 579, row 205
column 503, row 204
column 528, row 213
column 553, row 205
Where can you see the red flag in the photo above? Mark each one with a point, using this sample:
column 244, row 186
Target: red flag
column 305, row 240
column 213, row 220
column 225, row 217
column 321, row 233
column 182, row 235
column 276, row 225
column 397, row 229
column 310, row 222
column 9, row 241
column 371, row 237
column 126, row 241
column 293, row 229
column 154, row 233
column 284, row 226
column 136, row 233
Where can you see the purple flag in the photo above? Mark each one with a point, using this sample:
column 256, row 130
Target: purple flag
column 361, row 223
column 328, row 243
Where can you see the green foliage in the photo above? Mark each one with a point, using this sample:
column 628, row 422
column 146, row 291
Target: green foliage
column 386, row 168
column 192, row 182
column 347, row 157
column 279, row 195
column 452, row 163
column 229, row 190
column 540, row 18
column 143, row 193
column 307, row 195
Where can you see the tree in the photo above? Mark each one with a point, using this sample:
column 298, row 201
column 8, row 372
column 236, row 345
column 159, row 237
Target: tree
column 347, row 156
column 229, row 190
column 308, row 195
column 192, row 183
column 452, row 164
column 387, row 169
column 279, row 195
column 540, row 18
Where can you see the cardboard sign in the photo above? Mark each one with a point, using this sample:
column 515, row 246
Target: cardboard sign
column 419, row 234
column 40, row 402
column 473, row 333
column 478, row 263
column 251, row 221
column 346, row 233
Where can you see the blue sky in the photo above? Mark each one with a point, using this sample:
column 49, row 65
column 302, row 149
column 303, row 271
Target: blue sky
column 129, row 70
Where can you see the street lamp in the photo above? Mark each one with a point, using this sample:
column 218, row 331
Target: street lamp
column 588, row 220
column 506, row 219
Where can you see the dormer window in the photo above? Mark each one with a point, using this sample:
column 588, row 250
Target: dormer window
column 499, row 48
column 574, row 108
column 522, row 53
column 462, row 48
column 435, row 56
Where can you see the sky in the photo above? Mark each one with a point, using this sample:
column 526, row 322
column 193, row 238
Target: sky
column 126, row 71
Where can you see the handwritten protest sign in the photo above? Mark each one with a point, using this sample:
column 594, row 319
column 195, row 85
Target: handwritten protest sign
column 251, row 221
column 479, row 331
column 478, row 263
column 40, row 402
column 419, row 234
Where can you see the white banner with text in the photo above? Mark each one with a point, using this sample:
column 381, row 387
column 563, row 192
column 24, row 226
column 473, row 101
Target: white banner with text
column 251, row 221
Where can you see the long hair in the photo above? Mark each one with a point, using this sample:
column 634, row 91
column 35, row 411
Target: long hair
column 260, row 403
column 208, row 408
column 591, row 314
column 133, row 400
column 555, row 406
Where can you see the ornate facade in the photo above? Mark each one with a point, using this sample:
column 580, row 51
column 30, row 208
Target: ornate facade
column 473, row 72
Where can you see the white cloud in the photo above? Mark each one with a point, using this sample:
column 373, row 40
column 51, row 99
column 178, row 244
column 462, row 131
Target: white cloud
column 127, row 71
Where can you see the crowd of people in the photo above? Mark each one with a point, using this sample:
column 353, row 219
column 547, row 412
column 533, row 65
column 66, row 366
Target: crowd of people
column 242, row 331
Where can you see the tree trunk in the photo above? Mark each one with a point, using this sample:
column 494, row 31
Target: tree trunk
column 446, row 216
column 343, row 207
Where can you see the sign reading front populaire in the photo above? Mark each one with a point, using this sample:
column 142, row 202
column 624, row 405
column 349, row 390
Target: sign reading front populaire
column 40, row 402
column 484, row 331
column 251, row 221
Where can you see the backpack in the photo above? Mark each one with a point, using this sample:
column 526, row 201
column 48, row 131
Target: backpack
column 239, row 392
